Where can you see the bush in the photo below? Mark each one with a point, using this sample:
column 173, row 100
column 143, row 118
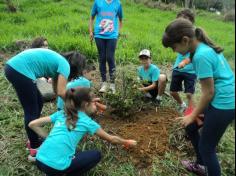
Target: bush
column 128, row 99
column 230, row 16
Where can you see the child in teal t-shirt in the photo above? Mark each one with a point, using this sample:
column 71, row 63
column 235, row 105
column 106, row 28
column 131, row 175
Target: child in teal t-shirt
column 217, row 100
column 58, row 152
column 154, row 83
column 183, row 74
column 22, row 71
column 83, row 80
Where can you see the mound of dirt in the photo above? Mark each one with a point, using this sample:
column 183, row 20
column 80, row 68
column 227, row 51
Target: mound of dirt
column 150, row 129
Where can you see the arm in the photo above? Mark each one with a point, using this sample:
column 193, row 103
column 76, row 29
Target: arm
column 91, row 21
column 151, row 87
column 184, row 63
column 120, row 23
column 36, row 126
column 115, row 139
column 120, row 15
column 61, row 86
column 207, row 88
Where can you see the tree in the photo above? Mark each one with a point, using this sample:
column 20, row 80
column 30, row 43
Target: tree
column 189, row 3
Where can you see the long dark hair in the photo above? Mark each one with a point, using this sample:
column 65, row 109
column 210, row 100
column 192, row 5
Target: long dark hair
column 74, row 101
column 77, row 63
column 180, row 28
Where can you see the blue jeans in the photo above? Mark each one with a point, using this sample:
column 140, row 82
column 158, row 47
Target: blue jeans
column 216, row 122
column 30, row 99
column 106, row 50
column 82, row 163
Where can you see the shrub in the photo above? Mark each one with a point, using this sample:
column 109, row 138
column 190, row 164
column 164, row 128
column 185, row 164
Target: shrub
column 230, row 16
column 128, row 99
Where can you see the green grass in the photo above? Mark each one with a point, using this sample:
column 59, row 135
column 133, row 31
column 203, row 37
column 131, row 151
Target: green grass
column 65, row 24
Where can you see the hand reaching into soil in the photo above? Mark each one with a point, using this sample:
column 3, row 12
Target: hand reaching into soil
column 115, row 139
column 130, row 143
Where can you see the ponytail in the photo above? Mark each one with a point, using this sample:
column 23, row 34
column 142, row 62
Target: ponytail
column 74, row 101
column 71, row 110
column 202, row 37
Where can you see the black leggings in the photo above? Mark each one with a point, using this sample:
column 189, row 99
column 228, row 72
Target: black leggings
column 106, row 49
column 81, row 164
column 30, row 99
column 216, row 122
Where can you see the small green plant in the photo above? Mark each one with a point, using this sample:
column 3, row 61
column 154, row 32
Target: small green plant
column 128, row 99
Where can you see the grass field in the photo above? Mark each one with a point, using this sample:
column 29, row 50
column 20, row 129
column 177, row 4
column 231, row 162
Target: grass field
column 65, row 24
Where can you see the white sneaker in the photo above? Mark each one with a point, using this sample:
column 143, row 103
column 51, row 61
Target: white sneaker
column 148, row 95
column 113, row 88
column 182, row 108
column 104, row 87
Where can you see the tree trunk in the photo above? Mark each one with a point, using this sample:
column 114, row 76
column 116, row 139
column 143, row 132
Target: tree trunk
column 189, row 4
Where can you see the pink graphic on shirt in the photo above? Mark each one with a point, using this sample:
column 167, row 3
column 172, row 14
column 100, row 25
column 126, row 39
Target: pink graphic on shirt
column 106, row 25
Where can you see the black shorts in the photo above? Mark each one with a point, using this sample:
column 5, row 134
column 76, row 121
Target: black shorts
column 153, row 92
column 177, row 82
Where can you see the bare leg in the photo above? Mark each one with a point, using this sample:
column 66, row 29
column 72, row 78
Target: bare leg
column 162, row 84
column 190, row 99
column 176, row 96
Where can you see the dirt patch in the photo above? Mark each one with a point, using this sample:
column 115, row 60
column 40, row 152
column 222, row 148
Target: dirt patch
column 149, row 128
column 3, row 58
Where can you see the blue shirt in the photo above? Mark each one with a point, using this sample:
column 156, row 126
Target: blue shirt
column 188, row 68
column 209, row 64
column 59, row 148
column 152, row 74
column 37, row 63
column 106, row 24
column 79, row 82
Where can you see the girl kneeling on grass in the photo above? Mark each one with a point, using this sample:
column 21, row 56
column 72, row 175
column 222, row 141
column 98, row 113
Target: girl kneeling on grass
column 218, row 93
column 57, row 155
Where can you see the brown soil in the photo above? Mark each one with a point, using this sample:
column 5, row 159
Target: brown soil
column 150, row 129
column 3, row 58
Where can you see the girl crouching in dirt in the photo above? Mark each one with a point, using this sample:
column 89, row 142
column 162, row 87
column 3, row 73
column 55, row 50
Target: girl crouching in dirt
column 218, row 93
column 57, row 155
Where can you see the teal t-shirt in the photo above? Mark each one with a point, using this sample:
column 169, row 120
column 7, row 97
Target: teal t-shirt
column 188, row 68
column 152, row 74
column 79, row 82
column 107, row 14
column 37, row 63
column 209, row 64
column 59, row 148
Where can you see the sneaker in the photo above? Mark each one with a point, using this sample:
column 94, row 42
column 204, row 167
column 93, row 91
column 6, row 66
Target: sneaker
column 188, row 111
column 104, row 88
column 113, row 88
column 32, row 155
column 182, row 108
column 194, row 168
column 148, row 95
column 28, row 146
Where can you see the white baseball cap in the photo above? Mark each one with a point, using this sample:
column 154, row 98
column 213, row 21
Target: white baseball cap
column 145, row 52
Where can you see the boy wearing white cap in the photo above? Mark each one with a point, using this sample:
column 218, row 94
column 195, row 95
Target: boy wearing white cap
column 154, row 83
